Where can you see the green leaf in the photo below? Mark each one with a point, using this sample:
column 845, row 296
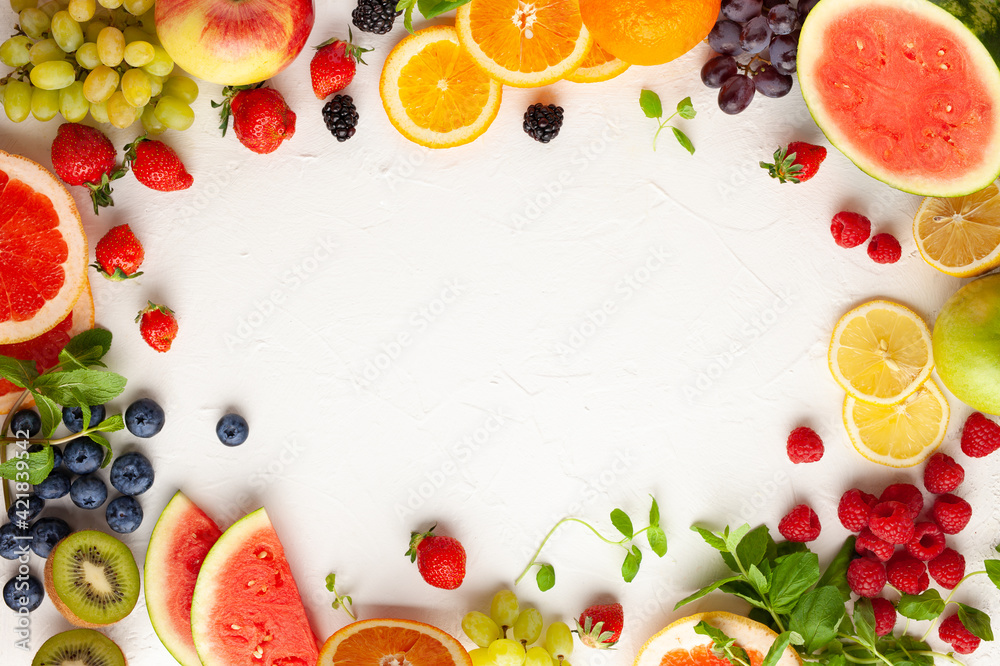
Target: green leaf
column 654, row 513
column 836, row 571
column 976, row 621
column 50, row 413
column 630, row 567
column 708, row 589
column 926, row 606
column 754, row 546
column 650, row 104
column 793, row 575
column 86, row 349
column 408, row 18
column 331, row 581
column 712, row 539
column 113, row 423
column 735, row 538
column 103, row 441
column 546, row 577
column 777, row 650
column 864, row 621
column 17, row 372
column 622, row 522
column 76, row 388
column 685, row 109
column 683, row 139
column 723, row 645
column 993, row 571
column 657, row 540
column 432, row 8
column 757, row 579
column 27, row 467
column 816, row 617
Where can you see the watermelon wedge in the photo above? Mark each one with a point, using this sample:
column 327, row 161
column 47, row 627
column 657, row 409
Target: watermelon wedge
column 907, row 89
column 247, row 608
column 181, row 539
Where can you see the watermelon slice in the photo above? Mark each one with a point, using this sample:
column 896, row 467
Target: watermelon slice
column 247, row 609
column 181, row 539
column 907, row 90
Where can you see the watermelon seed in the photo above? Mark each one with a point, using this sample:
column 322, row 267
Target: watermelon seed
column 236, row 627
column 861, row 45
column 250, row 583
column 258, row 653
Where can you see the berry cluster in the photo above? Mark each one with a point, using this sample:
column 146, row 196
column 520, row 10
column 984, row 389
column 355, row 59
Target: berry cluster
column 852, row 229
column 542, row 122
column 332, row 69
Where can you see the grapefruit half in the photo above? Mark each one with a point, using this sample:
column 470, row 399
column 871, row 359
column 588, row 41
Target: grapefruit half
column 679, row 645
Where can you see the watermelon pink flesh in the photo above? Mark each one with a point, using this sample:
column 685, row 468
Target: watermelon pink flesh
column 247, row 609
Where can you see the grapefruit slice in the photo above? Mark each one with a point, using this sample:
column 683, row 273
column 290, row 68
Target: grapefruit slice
column 246, row 607
column 381, row 641
column 679, row 645
column 598, row 65
column 181, row 539
column 43, row 250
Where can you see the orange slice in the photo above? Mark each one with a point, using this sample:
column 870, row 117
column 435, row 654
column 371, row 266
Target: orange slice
column 434, row 93
column 43, row 250
column 679, row 645
column 598, row 65
column 524, row 44
column 390, row 642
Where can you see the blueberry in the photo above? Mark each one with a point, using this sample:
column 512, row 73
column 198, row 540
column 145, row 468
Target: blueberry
column 144, row 418
column 131, row 474
column 25, row 421
column 73, row 417
column 23, row 592
column 14, row 541
column 124, row 514
column 232, row 430
column 57, row 454
column 88, row 492
column 56, row 485
column 25, row 509
column 46, row 533
column 83, row 456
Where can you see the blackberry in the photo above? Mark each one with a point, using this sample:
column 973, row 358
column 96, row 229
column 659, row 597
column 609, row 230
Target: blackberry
column 341, row 117
column 375, row 15
column 542, row 123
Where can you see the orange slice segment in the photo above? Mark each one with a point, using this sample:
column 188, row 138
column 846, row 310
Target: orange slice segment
column 524, row 44
column 383, row 641
column 598, row 65
column 434, row 93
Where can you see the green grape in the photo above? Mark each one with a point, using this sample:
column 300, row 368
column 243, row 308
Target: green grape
column 139, row 53
column 111, row 46
column 174, row 113
column 100, row 84
column 44, row 104
column 44, row 51
column 120, row 112
column 53, row 75
column 138, row 7
column 82, row 10
column 134, row 33
column 136, row 87
column 480, row 629
column 503, row 610
column 148, row 21
column 537, row 656
column 481, row 657
column 17, row 100
column 34, row 22
column 505, row 652
column 87, row 56
column 149, row 121
column 161, row 64
column 156, row 84
column 559, row 641
column 67, row 32
column 72, row 104
column 15, row 51
column 528, row 626
column 50, row 8
column 93, row 30
column 110, row 4
column 181, row 87
column 100, row 112
column 19, row 5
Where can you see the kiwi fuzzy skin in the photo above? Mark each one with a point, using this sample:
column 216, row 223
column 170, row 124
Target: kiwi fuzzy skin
column 64, row 610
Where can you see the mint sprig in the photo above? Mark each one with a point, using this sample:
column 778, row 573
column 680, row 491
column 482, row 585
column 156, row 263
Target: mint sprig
column 340, row 601
column 650, row 104
column 428, row 8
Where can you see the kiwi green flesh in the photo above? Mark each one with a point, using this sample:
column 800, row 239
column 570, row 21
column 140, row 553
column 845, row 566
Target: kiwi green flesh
column 95, row 577
column 79, row 647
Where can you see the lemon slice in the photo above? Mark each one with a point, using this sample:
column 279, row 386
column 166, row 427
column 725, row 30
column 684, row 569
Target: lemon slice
column 881, row 352
column 900, row 435
column 960, row 236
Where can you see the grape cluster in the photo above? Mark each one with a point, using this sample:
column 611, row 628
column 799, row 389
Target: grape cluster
column 102, row 57
column 756, row 43
column 506, row 635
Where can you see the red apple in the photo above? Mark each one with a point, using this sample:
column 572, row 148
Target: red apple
column 234, row 42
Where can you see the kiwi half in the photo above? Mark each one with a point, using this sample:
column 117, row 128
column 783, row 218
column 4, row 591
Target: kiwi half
column 92, row 579
column 79, row 647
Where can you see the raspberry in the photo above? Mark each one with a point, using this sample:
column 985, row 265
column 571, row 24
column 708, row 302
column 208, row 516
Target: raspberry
column 947, row 569
column 927, row 543
column 801, row 524
column 953, row 632
column 885, row 616
column 850, row 229
column 892, row 522
column 884, row 249
column 853, row 510
column 907, row 494
column 907, row 574
column 951, row 513
column 866, row 576
column 942, row 474
column 869, row 543
column 804, row 446
column 980, row 436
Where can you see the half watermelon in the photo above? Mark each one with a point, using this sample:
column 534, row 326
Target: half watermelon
column 907, row 89
column 247, row 608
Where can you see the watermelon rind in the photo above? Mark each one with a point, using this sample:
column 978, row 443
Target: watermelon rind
column 979, row 33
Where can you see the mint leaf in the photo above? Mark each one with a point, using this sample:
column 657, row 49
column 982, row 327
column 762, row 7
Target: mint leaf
column 17, row 372
column 757, row 579
column 50, row 413
column 734, row 538
column 836, row 571
column 777, row 650
column 976, row 621
column 77, row 388
column 864, row 621
column 432, row 8
column 816, row 617
column 657, row 540
column 711, row 538
column 86, row 349
column 650, row 104
column 113, row 423
column 993, row 571
column 546, row 577
column 683, row 139
column 793, row 575
column 654, row 513
column 622, row 522
column 630, row 567
column 103, row 441
column 722, row 645
column 331, row 581
column 26, row 467
column 754, row 546
column 926, row 606
column 685, row 109
column 706, row 590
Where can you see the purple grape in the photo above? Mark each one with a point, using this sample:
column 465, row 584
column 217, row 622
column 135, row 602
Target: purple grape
column 756, row 35
column 770, row 83
column 718, row 70
column 724, row 38
column 804, row 7
column 736, row 94
column 768, row 4
column 784, row 49
column 782, row 19
column 741, row 11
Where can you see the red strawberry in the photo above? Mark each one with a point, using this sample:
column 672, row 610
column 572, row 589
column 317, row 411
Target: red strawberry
column 156, row 165
column 333, row 66
column 440, row 559
column 82, row 155
column 158, row 326
column 600, row 626
column 119, row 254
column 797, row 163
column 261, row 119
